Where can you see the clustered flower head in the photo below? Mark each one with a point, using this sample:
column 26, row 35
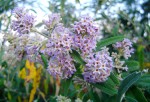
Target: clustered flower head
column 61, row 98
column 85, row 35
column 52, row 20
column 32, row 48
column 24, row 21
column 85, row 26
column 24, row 46
column 125, row 48
column 61, row 66
column 18, row 44
column 57, row 48
column 15, row 50
column 98, row 66
column 118, row 64
column 60, row 42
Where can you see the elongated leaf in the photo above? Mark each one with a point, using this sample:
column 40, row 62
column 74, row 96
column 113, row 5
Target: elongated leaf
column 115, row 29
column 44, row 59
column 130, row 99
column 132, row 65
column 66, row 84
column 140, row 53
column 77, row 1
column 90, row 91
column 139, row 96
column 106, row 87
column 76, row 56
column 1, row 54
column 144, row 81
column 1, row 82
column 114, row 78
column 126, row 83
column 108, row 41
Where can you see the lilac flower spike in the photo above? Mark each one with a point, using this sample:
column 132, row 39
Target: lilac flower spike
column 85, row 26
column 61, row 66
column 24, row 21
column 85, row 35
column 58, row 47
column 125, row 48
column 59, row 43
column 98, row 67
column 52, row 20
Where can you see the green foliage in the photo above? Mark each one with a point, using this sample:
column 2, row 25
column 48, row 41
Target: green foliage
column 126, row 83
column 108, row 41
column 140, row 52
column 138, row 94
column 6, row 5
column 76, row 56
column 107, row 87
column 1, row 54
column 44, row 59
column 65, row 88
column 132, row 65
column 144, row 81
column 130, row 99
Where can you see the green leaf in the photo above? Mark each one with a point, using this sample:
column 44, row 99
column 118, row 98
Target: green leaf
column 106, row 87
column 126, row 83
column 132, row 65
column 39, row 24
column 4, row 64
column 62, row 5
column 114, row 78
column 144, row 81
column 44, row 59
column 2, row 83
column 140, row 53
column 115, row 29
column 77, row 1
column 33, row 10
column 108, row 41
column 1, row 54
column 130, row 99
column 90, row 91
column 65, row 86
column 85, row 97
column 139, row 96
column 76, row 56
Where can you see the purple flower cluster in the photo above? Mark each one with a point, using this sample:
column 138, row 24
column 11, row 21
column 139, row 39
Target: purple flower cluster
column 59, row 43
column 118, row 64
column 85, row 35
column 32, row 51
column 53, row 19
column 98, row 66
column 61, row 66
column 85, row 26
column 125, row 48
column 58, row 47
column 86, row 44
column 24, row 21
column 19, row 43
